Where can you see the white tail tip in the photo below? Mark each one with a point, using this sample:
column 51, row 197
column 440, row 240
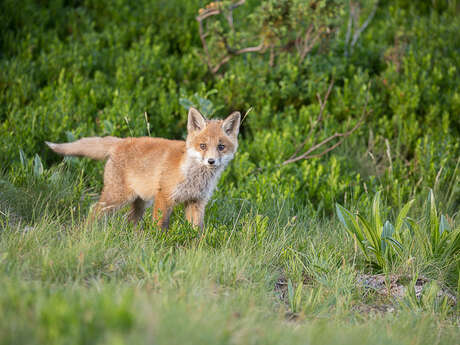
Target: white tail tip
column 51, row 145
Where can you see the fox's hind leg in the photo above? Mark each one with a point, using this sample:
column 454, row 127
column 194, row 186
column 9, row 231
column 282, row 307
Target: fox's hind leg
column 137, row 210
column 109, row 202
column 115, row 193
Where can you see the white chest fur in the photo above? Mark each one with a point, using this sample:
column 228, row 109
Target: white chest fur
column 199, row 183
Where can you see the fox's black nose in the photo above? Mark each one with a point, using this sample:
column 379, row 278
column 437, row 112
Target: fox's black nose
column 211, row 161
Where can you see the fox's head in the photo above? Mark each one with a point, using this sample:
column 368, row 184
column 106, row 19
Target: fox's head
column 212, row 143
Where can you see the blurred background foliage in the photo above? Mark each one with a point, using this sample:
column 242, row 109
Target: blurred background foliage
column 78, row 68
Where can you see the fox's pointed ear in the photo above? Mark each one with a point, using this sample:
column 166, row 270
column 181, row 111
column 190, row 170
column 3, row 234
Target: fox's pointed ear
column 196, row 121
column 231, row 124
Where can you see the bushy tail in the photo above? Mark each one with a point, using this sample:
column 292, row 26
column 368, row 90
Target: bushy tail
column 93, row 147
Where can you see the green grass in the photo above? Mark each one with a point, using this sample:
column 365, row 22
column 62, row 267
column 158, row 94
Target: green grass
column 258, row 275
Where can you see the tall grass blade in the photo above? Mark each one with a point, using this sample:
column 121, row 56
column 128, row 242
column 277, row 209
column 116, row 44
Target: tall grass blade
column 433, row 219
column 402, row 216
column 375, row 214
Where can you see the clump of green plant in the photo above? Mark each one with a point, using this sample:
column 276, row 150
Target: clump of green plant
column 382, row 242
column 30, row 190
column 430, row 299
column 434, row 235
column 378, row 240
column 294, row 296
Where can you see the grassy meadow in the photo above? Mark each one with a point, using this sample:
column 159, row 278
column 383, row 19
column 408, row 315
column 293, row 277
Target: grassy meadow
column 355, row 242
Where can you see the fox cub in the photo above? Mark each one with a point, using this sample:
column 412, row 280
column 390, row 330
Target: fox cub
column 140, row 171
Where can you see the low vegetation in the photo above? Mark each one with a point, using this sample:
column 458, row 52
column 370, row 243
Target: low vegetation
column 336, row 223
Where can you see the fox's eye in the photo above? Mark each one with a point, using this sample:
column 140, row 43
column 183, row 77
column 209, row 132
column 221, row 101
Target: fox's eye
column 203, row 146
column 220, row 147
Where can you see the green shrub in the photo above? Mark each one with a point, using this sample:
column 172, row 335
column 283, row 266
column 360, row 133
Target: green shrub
column 431, row 237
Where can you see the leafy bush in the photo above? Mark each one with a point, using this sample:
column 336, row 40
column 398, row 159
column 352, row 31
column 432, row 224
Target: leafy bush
column 105, row 68
column 431, row 237
column 434, row 235
column 274, row 26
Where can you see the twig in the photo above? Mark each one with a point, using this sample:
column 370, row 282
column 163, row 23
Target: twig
column 365, row 24
column 231, row 52
column 247, row 112
column 261, row 48
column 307, row 154
column 304, row 46
column 320, row 117
column 388, row 152
column 215, row 11
column 352, row 22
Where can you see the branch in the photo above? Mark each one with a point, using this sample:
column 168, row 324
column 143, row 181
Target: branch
column 352, row 21
column 349, row 27
column 261, row 48
column 320, row 117
column 308, row 154
column 365, row 24
column 213, row 11
column 305, row 45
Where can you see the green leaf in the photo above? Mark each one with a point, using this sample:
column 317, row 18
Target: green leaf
column 402, row 215
column 371, row 234
column 396, row 243
column 338, row 209
column 38, row 166
column 387, row 233
column 376, row 219
column 351, row 225
column 443, row 225
column 108, row 127
column 70, row 136
column 186, row 103
column 433, row 218
column 22, row 158
column 290, row 294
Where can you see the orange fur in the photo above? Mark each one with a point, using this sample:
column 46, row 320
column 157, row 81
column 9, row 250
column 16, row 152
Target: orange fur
column 168, row 172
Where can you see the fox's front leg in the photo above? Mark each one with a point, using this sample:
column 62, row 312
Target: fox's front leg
column 194, row 211
column 162, row 211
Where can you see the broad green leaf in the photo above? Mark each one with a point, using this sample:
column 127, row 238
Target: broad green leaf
column 352, row 227
column 186, row 103
column 402, row 215
column 108, row 127
column 22, row 158
column 443, row 225
column 340, row 215
column 38, row 166
column 370, row 233
column 350, row 223
column 387, row 233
